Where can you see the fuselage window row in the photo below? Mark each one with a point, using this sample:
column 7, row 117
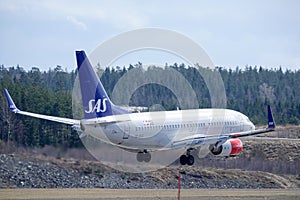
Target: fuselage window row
column 176, row 126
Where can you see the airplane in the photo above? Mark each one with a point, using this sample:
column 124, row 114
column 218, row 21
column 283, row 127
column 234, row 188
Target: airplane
column 216, row 131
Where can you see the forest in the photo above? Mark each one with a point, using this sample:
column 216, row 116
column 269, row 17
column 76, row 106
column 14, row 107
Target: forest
column 248, row 90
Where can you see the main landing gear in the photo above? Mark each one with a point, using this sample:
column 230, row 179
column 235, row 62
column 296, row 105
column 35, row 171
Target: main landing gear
column 143, row 156
column 187, row 159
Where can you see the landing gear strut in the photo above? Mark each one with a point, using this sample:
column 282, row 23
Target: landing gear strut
column 187, row 159
column 143, row 156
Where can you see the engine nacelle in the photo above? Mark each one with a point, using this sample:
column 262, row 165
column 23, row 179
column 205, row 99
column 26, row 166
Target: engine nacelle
column 231, row 147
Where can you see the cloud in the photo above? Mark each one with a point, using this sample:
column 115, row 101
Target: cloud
column 263, row 33
column 117, row 14
column 77, row 23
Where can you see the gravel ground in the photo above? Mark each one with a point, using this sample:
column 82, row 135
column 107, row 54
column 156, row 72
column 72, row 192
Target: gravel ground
column 19, row 171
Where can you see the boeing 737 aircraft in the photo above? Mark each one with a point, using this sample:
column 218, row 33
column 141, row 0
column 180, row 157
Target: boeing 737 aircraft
column 201, row 130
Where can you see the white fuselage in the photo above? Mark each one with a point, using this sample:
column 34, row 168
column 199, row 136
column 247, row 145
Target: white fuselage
column 158, row 130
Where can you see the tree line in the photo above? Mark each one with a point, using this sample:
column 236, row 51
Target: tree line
column 248, row 90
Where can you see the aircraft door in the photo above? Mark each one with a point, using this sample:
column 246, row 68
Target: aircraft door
column 126, row 130
column 191, row 126
column 241, row 123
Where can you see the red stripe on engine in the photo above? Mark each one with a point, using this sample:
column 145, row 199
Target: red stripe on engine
column 236, row 146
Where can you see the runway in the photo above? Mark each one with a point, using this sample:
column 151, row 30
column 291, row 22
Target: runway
column 139, row 194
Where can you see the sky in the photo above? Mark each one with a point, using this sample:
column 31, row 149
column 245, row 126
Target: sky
column 233, row 33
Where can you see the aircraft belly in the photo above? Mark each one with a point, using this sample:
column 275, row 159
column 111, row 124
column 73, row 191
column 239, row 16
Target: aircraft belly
column 104, row 133
column 114, row 135
column 156, row 141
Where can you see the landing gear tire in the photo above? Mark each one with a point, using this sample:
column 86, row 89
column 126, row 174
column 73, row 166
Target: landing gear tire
column 190, row 160
column 187, row 159
column 147, row 157
column 183, row 159
column 139, row 156
column 143, row 157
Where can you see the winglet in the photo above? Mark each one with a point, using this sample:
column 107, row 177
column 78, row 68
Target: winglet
column 11, row 103
column 271, row 122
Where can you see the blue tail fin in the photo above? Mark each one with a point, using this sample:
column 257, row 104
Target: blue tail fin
column 95, row 101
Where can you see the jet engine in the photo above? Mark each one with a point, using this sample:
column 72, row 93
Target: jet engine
column 231, row 147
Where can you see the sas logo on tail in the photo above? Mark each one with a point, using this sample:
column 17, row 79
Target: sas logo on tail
column 101, row 103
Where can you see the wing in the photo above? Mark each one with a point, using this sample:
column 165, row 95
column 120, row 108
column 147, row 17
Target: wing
column 272, row 138
column 198, row 140
column 14, row 109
